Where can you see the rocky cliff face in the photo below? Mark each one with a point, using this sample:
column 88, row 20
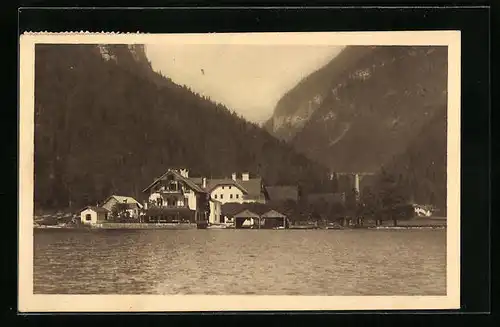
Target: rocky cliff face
column 297, row 106
column 368, row 110
column 372, row 107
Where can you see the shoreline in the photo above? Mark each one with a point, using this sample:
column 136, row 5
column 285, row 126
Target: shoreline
column 119, row 226
column 167, row 226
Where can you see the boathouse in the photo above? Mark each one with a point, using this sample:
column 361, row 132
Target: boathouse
column 92, row 215
column 273, row 219
column 246, row 219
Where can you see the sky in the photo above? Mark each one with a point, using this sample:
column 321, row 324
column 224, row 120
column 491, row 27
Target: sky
column 249, row 79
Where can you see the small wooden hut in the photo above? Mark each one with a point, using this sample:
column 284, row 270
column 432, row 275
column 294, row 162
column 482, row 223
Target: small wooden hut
column 273, row 219
column 246, row 216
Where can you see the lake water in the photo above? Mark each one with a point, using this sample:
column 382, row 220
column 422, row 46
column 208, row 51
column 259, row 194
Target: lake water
column 262, row 262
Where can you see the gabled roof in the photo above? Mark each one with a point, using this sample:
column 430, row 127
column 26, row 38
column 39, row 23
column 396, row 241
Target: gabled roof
column 253, row 186
column 213, row 183
column 96, row 209
column 246, row 214
column 124, row 199
column 273, row 214
column 282, row 193
column 230, row 209
column 178, row 176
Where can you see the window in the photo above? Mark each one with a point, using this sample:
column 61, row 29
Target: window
column 223, row 187
column 215, row 196
column 88, row 217
column 229, row 187
column 230, row 196
column 237, row 196
column 222, row 196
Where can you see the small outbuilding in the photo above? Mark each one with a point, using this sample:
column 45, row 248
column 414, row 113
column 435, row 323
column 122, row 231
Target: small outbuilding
column 93, row 215
column 131, row 205
column 246, row 218
column 273, row 219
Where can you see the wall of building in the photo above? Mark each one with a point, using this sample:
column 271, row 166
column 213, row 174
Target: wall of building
column 191, row 199
column 133, row 212
column 179, row 200
column 227, row 194
column 94, row 217
column 215, row 213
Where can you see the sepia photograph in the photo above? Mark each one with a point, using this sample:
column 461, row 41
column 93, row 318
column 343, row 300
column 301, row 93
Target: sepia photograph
column 251, row 171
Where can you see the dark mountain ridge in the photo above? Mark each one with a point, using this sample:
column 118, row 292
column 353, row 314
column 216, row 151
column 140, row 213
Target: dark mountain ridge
column 106, row 123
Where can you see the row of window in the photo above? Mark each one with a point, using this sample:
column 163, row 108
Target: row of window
column 221, row 196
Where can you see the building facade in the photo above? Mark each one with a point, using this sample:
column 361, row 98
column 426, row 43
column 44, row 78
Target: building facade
column 93, row 215
column 234, row 189
column 173, row 194
column 204, row 196
column 131, row 205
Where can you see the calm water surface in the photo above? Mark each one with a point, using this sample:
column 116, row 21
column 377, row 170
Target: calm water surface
column 263, row 262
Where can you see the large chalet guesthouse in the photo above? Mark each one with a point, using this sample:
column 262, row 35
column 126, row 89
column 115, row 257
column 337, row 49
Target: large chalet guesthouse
column 176, row 195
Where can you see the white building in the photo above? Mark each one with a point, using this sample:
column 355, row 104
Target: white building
column 93, row 215
column 132, row 205
column 234, row 189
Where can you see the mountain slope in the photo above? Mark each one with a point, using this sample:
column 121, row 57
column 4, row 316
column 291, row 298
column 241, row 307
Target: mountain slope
column 375, row 107
column 106, row 123
column 422, row 166
column 295, row 108
column 383, row 106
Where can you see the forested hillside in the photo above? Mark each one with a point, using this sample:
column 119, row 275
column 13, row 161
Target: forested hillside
column 106, row 123
column 421, row 168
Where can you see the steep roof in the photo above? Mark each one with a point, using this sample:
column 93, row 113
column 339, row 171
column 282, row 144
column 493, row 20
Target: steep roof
column 178, row 176
column 230, row 209
column 282, row 193
column 96, row 209
column 124, row 199
column 213, row 183
column 246, row 214
column 252, row 188
column 273, row 214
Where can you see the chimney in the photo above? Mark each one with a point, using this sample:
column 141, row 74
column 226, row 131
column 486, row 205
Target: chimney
column 356, row 185
column 245, row 176
column 184, row 173
column 204, row 182
column 233, row 176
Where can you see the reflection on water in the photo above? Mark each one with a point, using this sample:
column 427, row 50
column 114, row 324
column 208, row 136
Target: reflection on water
column 263, row 262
